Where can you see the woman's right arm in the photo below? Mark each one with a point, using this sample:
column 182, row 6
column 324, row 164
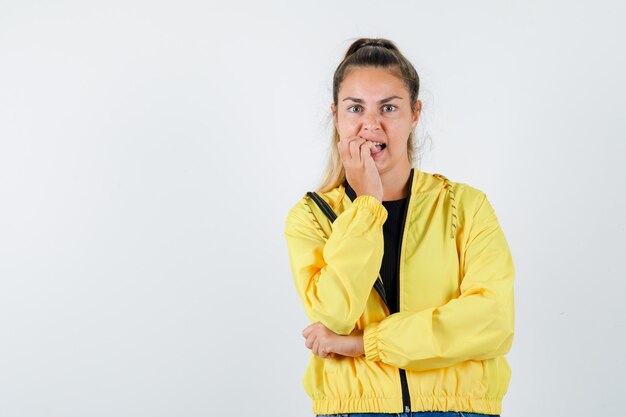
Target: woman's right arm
column 334, row 277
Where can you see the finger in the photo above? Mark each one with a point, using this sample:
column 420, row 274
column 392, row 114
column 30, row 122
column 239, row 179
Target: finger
column 356, row 154
column 316, row 346
column 308, row 329
column 366, row 150
column 324, row 354
column 355, row 149
column 309, row 341
column 346, row 144
column 320, row 346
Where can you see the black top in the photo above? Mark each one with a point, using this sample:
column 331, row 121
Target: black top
column 391, row 233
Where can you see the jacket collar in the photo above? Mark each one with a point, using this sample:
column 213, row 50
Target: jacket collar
column 420, row 183
column 352, row 194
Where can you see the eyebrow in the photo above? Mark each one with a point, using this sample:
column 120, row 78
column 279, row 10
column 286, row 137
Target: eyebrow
column 358, row 100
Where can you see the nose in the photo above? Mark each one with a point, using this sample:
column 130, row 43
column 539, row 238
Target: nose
column 371, row 121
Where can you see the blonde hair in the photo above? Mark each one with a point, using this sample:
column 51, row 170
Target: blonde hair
column 370, row 52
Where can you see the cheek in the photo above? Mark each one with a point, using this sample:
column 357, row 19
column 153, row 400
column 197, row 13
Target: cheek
column 395, row 133
column 401, row 128
column 397, row 125
column 347, row 129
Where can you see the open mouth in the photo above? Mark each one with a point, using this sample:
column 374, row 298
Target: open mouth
column 379, row 147
column 378, row 150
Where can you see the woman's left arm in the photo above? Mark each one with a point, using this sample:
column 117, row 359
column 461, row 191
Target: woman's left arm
column 325, row 343
column 477, row 325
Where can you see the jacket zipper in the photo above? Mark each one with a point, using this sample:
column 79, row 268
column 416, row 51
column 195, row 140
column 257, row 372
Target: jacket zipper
column 406, row 398
column 379, row 287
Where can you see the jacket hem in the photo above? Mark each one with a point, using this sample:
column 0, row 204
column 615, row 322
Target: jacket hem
column 418, row 403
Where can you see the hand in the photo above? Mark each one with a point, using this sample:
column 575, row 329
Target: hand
column 361, row 170
column 325, row 343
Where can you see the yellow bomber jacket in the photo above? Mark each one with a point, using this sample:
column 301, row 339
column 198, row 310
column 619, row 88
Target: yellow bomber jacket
column 444, row 350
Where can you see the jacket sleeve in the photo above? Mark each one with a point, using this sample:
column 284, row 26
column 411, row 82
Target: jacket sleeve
column 334, row 276
column 476, row 325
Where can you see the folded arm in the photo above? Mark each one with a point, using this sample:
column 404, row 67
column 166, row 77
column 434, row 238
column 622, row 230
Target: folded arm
column 475, row 326
column 334, row 276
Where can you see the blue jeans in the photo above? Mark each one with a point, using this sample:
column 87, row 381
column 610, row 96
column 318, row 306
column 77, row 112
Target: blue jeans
column 413, row 414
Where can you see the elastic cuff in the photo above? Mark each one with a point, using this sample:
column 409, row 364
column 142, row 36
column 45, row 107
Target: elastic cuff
column 370, row 342
column 373, row 204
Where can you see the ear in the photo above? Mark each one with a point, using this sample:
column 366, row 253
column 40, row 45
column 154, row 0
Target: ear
column 333, row 110
column 416, row 114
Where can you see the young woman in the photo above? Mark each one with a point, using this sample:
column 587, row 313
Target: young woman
column 406, row 276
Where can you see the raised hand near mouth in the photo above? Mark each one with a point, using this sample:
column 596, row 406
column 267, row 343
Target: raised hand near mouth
column 361, row 171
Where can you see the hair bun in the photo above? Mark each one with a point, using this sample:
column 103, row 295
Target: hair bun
column 363, row 42
column 373, row 43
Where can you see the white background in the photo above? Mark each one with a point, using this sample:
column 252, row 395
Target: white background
column 150, row 150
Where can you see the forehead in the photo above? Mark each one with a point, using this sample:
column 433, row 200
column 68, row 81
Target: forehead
column 371, row 82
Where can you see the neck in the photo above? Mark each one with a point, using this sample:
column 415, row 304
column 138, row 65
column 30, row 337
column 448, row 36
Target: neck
column 395, row 183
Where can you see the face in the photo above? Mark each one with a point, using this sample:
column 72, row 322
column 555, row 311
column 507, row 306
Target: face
column 375, row 104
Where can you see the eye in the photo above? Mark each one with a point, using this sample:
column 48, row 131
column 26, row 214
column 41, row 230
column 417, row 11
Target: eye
column 352, row 107
column 389, row 105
